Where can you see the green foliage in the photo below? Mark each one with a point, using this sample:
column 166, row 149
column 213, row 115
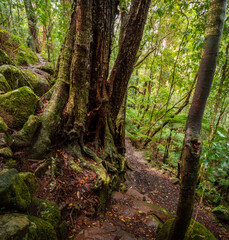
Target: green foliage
column 16, row 49
column 215, row 162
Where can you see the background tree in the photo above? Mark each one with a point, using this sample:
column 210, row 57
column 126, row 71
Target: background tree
column 192, row 142
column 32, row 23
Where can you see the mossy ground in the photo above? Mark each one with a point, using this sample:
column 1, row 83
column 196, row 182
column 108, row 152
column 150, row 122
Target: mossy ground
column 16, row 50
column 195, row 232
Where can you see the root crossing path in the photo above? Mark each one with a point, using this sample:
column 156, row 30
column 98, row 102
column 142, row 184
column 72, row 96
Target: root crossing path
column 151, row 199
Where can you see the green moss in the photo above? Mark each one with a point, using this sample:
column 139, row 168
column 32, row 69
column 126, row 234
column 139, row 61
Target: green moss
column 49, row 69
column 14, row 76
column 3, row 126
column 14, row 193
column 4, row 86
column 24, row 137
column 24, row 227
column 6, row 152
column 123, row 189
column 199, row 232
column 48, row 211
column 40, row 230
column 30, row 181
column 16, row 49
column 39, row 85
column 16, row 106
column 11, row 163
column 222, row 213
column 4, row 58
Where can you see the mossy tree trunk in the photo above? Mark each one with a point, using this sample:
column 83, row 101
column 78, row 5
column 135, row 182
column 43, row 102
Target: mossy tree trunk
column 192, row 143
column 86, row 98
column 32, row 23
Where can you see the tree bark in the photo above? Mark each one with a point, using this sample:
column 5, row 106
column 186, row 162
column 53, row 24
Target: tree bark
column 51, row 117
column 32, row 23
column 88, row 99
column 126, row 58
column 192, row 143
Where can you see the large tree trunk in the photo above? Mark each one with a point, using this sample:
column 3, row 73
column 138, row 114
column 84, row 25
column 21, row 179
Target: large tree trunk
column 32, row 23
column 192, row 143
column 87, row 102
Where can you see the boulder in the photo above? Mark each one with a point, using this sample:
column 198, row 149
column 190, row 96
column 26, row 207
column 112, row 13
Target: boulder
column 46, row 210
column 30, row 181
column 199, row 232
column 23, row 227
column 14, row 193
column 14, row 76
column 221, row 213
column 47, row 68
column 16, row 106
column 23, row 137
column 4, row 85
column 39, row 84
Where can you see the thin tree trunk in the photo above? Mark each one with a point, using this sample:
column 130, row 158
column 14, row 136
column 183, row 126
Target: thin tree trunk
column 192, row 143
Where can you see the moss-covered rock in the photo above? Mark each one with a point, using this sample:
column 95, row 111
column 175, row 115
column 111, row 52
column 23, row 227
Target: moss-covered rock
column 41, row 229
column 11, row 163
column 13, row 226
column 39, row 85
column 14, row 76
column 16, row 49
column 16, row 106
column 46, row 210
column 4, row 86
column 30, row 181
column 199, row 232
column 14, row 193
column 221, row 213
column 6, row 152
column 4, row 58
column 24, row 227
column 5, row 139
column 23, row 137
column 3, row 126
column 47, row 68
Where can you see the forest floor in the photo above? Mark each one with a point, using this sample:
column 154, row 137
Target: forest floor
column 128, row 214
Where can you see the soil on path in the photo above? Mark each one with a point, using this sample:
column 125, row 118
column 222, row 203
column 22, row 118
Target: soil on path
column 162, row 191
column 136, row 214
